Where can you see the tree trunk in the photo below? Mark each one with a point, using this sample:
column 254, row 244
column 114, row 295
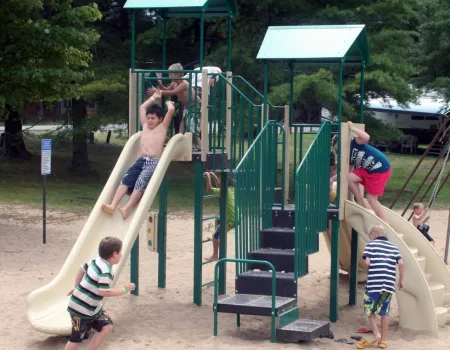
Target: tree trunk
column 310, row 113
column 12, row 139
column 80, row 158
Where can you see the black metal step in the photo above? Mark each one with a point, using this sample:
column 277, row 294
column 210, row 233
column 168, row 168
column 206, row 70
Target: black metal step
column 260, row 283
column 278, row 238
column 250, row 304
column 283, row 217
column 281, row 259
column 303, row 330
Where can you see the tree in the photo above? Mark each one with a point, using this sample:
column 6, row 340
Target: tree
column 45, row 50
column 434, row 47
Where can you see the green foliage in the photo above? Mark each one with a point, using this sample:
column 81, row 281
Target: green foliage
column 45, row 50
column 434, row 46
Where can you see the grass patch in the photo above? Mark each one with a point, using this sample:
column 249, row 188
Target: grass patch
column 21, row 182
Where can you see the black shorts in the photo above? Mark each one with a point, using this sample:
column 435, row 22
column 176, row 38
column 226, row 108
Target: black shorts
column 82, row 326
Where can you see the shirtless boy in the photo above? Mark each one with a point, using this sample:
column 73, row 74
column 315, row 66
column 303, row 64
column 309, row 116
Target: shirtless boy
column 154, row 131
column 180, row 88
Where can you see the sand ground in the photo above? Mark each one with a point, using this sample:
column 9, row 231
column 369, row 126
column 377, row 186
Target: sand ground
column 167, row 318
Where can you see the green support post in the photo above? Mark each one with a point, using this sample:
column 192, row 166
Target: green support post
column 162, row 233
column 202, row 33
column 291, row 94
column 164, row 46
column 266, row 88
column 334, row 272
column 223, row 203
column 230, row 19
column 198, row 214
column 134, row 266
column 353, row 293
column 133, row 38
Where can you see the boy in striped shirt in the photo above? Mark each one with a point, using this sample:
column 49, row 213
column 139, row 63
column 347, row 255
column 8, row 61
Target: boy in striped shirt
column 92, row 283
column 381, row 257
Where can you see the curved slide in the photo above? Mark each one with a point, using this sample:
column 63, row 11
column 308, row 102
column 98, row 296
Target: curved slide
column 424, row 304
column 47, row 306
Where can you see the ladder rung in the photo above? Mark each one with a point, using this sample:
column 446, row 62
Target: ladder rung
column 207, row 283
column 208, row 196
column 210, row 217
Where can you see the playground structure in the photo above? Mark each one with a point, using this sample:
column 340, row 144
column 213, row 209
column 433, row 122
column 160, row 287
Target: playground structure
column 273, row 238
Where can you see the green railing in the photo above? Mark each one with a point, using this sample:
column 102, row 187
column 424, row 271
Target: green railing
column 312, row 186
column 274, row 291
column 255, row 179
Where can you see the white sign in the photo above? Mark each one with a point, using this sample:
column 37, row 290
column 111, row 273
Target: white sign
column 46, row 157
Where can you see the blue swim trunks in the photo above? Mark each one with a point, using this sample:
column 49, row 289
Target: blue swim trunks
column 378, row 303
column 139, row 174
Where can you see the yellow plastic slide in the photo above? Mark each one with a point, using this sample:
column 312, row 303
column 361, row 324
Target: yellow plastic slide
column 47, row 306
column 424, row 304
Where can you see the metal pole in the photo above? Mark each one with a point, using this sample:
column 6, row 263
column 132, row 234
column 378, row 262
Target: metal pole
column 198, row 213
column 162, row 233
column 202, row 29
column 266, row 84
column 164, row 48
column 353, row 293
column 447, row 242
column 334, row 272
column 291, row 95
column 44, row 204
column 361, row 99
column 133, row 38
column 134, row 266
column 230, row 19
column 223, row 203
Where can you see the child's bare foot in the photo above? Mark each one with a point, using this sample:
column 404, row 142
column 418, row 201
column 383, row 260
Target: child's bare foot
column 108, row 209
column 212, row 258
column 124, row 212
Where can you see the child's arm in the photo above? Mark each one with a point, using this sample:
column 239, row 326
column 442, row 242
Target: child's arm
column 361, row 137
column 115, row 292
column 216, row 180
column 208, row 182
column 180, row 88
column 78, row 279
column 401, row 270
column 143, row 108
column 163, row 87
column 169, row 114
column 367, row 261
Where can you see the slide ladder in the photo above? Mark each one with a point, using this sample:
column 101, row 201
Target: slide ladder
column 47, row 306
column 424, row 304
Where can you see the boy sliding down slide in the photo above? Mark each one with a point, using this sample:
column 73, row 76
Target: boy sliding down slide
column 154, row 131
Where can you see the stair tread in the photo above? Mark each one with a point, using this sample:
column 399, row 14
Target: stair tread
column 435, row 285
column 268, row 274
column 304, row 325
column 251, row 304
column 289, row 252
column 303, row 330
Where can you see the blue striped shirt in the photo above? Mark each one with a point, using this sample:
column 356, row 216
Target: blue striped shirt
column 382, row 273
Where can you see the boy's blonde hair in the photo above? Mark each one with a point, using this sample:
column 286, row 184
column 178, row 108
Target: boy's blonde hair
column 377, row 230
column 418, row 205
column 176, row 66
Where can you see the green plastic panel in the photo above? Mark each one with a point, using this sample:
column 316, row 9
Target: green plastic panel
column 315, row 44
column 187, row 8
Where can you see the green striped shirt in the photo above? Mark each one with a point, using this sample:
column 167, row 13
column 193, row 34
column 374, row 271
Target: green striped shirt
column 85, row 301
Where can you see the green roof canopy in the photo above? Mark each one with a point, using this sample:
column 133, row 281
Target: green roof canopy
column 187, row 8
column 316, row 44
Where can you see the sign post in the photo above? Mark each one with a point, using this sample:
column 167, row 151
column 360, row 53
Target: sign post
column 46, row 169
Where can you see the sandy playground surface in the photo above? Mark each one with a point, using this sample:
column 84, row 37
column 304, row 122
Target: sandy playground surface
column 167, row 318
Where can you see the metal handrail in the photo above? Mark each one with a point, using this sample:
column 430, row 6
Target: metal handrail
column 274, row 290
